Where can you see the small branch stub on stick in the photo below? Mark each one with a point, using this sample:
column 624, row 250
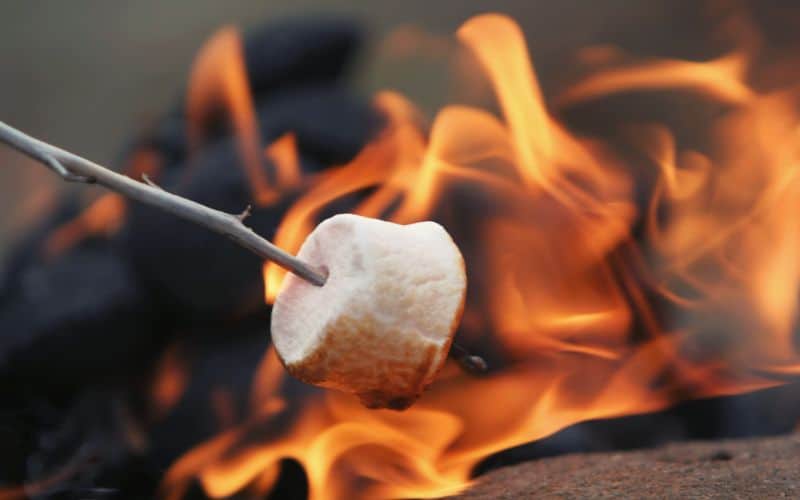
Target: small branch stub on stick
column 73, row 168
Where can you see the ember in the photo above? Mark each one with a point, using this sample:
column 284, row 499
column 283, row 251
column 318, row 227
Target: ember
column 629, row 238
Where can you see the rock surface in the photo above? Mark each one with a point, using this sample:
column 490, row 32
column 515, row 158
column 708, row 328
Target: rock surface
column 743, row 469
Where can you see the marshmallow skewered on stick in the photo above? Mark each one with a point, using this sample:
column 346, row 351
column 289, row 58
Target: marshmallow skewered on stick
column 382, row 324
column 391, row 307
column 73, row 168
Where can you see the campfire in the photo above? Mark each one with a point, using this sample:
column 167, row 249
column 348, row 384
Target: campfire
column 630, row 244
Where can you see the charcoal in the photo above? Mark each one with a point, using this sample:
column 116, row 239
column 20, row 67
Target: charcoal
column 195, row 273
column 80, row 316
column 191, row 270
column 224, row 363
column 27, row 251
column 167, row 137
column 300, row 50
column 200, row 274
column 82, row 441
column 278, row 56
column 331, row 124
column 18, row 435
column 292, row 483
column 94, row 421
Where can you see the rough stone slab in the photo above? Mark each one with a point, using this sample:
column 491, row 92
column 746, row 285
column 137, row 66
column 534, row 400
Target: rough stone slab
column 742, row 469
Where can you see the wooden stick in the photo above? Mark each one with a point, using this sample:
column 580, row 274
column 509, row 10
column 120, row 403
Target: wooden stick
column 73, row 168
column 470, row 363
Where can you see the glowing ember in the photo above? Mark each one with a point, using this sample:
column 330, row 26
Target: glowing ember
column 557, row 282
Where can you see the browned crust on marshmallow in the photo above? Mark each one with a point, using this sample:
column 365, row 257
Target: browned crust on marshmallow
column 366, row 366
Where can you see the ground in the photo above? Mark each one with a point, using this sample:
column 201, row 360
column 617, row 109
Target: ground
column 743, row 469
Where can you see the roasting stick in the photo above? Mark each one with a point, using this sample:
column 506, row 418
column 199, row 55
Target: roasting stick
column 74, row 168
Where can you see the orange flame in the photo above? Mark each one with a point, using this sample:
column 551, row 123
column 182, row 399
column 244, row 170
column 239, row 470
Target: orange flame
column 283, row 153
column 219, row 81
column 104, row 216
column 170, row 379
column 398, row 148
column 545, row 218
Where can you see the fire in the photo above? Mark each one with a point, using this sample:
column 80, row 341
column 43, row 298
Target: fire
column 219, row 83
column 283, row 154
column 399, row 148
column 591, row 323
column 105, row 215
column 169, row 382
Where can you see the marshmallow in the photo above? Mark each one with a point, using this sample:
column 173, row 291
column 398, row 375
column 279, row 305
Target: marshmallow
column 382, row 324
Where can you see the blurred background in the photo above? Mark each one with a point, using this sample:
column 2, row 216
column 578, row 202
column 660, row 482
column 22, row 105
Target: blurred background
column 89, row 75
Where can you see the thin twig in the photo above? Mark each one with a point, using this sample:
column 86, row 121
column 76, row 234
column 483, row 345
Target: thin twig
column 73, row 168
column 247, row 212
column 147, row 180
column 468, row 362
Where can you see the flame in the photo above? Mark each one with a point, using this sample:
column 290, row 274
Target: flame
column 170, row 379
column 218, row 82
column 283, row 153
column 718, row 79
column 590, row 322
column 105, row 215
column 399, row 147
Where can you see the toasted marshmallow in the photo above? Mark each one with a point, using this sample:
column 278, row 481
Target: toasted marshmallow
column 382, row 324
